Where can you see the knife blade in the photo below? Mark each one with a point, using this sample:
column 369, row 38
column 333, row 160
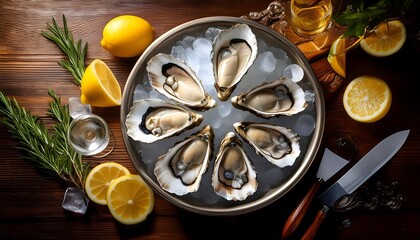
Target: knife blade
column 330, row 164
column 357, row 175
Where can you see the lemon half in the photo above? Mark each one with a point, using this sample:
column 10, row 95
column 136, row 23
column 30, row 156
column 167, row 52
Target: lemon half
column 130, row 199
column 386, row 39
column 367, row 99
column 99, row 86
column 99, row 179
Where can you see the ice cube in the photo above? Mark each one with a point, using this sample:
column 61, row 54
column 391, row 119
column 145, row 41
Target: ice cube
column 309, row 96
column 178, row 52
column 211, row 33
column 77, row 108
column 75, row 200
column 267, row 62
column 140, row 92
column 202, row 47
column 294, row 72
column 224, row 109
column 192, row 59
column 305, row 125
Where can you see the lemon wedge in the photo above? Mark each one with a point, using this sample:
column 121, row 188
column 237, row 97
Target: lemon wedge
column 337, row 56
column 130, row 199
column 127, row 36
column 99, row 86
column 100, row 177
column 367, row 99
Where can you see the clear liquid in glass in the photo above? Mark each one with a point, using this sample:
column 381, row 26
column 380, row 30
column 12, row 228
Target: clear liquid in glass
column 309, row 18
column 89, row 134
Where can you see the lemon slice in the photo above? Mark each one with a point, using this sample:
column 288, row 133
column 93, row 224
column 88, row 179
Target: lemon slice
column 127, row 36
column 386, row 39
column 99, row 86
column 337, row 56
column 130, row 199
column 100, row 177
column 367, row 99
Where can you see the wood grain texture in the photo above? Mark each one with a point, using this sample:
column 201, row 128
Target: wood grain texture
column 30, row 201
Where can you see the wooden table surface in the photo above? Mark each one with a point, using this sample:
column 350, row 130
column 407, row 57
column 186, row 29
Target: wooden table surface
column 30, row 201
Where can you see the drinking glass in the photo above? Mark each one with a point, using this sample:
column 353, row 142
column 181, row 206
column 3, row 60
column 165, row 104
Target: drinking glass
column 308, row 18
column 88, row 133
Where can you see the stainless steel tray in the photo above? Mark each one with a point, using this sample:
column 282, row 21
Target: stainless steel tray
column 204, row 201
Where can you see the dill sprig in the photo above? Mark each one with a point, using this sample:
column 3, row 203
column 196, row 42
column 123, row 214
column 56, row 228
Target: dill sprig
column 362, row 16
column 76, row 51
column 49, row 151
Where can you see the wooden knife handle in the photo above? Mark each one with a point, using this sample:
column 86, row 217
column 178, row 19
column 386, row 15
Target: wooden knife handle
column 313, row 229
column 296, row 216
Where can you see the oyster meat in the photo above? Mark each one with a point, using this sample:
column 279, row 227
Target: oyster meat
column 234, row 51
column 176, row 80
column 279, row 145
column 280, row 97
column 179, row 171
column 150, row 120
column 234, row 177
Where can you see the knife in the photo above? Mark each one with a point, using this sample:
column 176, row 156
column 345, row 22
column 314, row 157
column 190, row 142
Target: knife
column 330, row 164
column 357, row 175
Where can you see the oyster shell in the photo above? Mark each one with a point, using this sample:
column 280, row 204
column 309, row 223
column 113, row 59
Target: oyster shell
column 234, row 176
column 176, row 80
column 279, row 145
column 180, row 170
column 234, row 51
column 150, row 120
column 280, row 97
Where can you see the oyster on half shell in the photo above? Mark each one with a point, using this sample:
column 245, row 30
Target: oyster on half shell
column 150, row 120
column 280, row 97
column 279, row 145
column 176, row 80
column 234, row 176
column 180, row 170
column 234, row 51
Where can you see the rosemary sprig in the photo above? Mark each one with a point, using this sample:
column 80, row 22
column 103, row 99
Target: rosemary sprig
column 362, row 16
column 49, row 151
column 75, row 51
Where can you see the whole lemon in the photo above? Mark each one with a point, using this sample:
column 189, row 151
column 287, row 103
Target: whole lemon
column 127, row 36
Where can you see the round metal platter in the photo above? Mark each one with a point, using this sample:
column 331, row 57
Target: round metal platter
column 273, row 182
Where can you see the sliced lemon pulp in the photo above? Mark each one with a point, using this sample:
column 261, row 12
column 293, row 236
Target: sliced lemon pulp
column 130, row 199
column 337, row 56
column 100, row 177
column 386, row 39
column 367, row 99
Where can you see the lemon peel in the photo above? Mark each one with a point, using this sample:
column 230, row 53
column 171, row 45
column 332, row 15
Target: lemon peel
column 127, row 36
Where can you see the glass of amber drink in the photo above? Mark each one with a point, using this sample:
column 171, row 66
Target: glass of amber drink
column 308, row 18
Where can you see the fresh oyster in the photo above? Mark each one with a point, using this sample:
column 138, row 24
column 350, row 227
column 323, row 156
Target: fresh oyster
column 280, row 97
column 180, row 170
column 177, row 81
column 277, row 144
column 234, row 176
column 234, row 51
column 152, row 119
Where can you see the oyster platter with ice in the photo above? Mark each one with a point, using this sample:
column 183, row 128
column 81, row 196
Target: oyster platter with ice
column 221, row 117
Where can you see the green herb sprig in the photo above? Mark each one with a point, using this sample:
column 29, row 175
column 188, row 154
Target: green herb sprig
column 76, row 51
column 49, row 151
column 362, row 16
